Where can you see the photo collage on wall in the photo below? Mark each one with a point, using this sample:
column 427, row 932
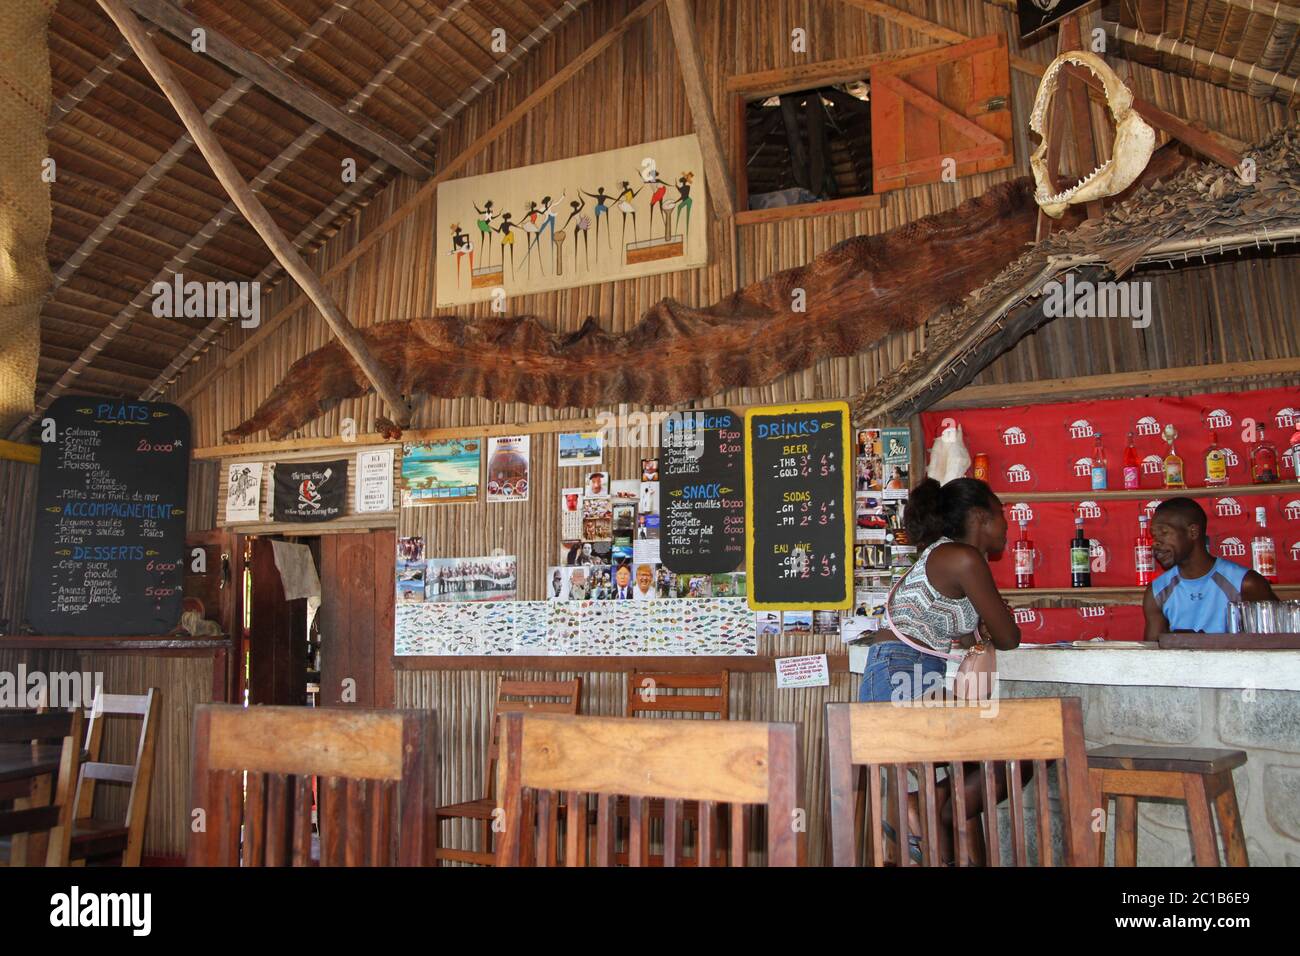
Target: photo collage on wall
column 882, row 552
column 609, row 533
column 422, row 580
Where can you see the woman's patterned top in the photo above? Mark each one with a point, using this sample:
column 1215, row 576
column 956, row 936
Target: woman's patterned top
column 925, row 615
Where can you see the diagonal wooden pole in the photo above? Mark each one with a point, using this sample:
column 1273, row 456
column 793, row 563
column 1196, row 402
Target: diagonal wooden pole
column 251, row 207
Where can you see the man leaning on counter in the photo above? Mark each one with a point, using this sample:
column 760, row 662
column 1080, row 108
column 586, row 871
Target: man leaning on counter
column 1194, row 592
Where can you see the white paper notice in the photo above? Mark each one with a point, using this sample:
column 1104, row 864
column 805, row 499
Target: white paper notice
column 244, row 491
column 374, row 481
column 810, row 671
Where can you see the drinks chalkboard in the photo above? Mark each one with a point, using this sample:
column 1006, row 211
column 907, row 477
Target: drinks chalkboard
column 701, row 493
column 798, row 486
column 108, row 557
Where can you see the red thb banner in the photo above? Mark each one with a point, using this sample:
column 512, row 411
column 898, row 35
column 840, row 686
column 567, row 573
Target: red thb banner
column 1050, row 448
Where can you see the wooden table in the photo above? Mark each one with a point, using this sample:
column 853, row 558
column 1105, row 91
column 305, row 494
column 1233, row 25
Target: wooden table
column 26, row 777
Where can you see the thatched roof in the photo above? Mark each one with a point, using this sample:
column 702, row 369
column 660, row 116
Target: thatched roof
column 1204, row 211
column 401, row 68
column 1258, row 33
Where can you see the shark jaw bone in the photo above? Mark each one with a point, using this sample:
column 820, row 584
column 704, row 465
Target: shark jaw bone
column 1135, row 140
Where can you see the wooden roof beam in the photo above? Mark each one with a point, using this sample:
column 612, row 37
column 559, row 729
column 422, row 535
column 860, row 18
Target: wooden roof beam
column 279, row 84
column 253, row 211
column 1217, row 61
column 721, row 190
column 428, row 190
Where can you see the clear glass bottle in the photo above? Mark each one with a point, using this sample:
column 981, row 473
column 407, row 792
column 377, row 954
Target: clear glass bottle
column 1144, row 561
column 1174, row 469
column 1216, row 463
column 1132, row 466
column 1098, row 465
column 1023, row 551
column 1263, row 553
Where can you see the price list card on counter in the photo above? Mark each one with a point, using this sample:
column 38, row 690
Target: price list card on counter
column 702, row 491
column 798, row 485
column 108, row 556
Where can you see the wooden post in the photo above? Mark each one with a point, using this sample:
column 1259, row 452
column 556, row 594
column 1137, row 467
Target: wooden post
column 252, row 208
column 720, row 189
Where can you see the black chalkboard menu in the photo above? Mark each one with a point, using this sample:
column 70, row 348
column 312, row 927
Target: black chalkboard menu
column 702, row 491
column 108, row 557
column 798, row 483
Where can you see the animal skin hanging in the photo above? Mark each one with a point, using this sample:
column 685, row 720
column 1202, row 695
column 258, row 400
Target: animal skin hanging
column 1135, row 140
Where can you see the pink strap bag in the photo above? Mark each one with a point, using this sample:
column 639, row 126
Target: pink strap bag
column 974, row 678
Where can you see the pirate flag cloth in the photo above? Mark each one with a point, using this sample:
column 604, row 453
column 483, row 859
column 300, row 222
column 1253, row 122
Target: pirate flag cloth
column 311, row 490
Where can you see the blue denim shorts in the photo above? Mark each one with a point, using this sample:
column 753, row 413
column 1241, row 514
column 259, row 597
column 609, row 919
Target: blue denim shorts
column 895, row 672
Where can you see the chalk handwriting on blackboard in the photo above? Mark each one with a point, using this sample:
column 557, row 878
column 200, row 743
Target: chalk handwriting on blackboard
column 110, row 521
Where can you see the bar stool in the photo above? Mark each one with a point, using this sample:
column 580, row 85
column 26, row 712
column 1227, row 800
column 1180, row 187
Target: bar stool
column 1194, row 775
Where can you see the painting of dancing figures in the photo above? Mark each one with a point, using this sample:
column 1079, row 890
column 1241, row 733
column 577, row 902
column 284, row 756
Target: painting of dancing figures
column 596, row 218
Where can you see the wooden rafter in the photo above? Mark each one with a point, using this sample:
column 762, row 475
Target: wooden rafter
column 721, row 190
column 428, row 190
column 1187, row 51
column 178, row 149
column 251, row 208
column 336, row 208
column 280, row 85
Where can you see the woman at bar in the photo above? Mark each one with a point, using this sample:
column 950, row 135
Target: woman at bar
column 947, row 597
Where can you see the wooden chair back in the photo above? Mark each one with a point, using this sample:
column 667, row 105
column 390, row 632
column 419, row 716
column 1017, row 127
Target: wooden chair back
column 138, row 774
column 659, row 694
column 528, row 697
column 547, row 758
column 53, row 820
column 892, row 738
column 376, row 771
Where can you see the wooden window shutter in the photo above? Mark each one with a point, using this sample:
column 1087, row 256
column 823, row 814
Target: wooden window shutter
column 950, row 103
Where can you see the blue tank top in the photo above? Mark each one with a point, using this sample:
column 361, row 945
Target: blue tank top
column 1199, row 604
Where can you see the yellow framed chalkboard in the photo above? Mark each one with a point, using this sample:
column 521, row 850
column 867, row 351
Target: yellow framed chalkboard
column 799, row 506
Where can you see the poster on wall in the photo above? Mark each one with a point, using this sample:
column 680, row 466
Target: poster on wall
column 310, row 490
column 490, row 578
column 896, row 461
column 581, row 448
column 374, row 481
column 507, row 468
column 606, row 216
column 441, row 472
column 244, row 491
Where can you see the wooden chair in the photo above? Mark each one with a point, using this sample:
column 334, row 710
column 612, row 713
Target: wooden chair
column 376, row 768
column 98, row 839
column 513, row 696
column 548, row 759
column 898, row 738
column 1198, row 776
column 43, row 820
column 656, row 694
column 659, row 695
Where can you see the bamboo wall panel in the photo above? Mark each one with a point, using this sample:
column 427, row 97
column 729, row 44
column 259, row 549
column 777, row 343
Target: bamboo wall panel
column 201, row 506
column 17, row 525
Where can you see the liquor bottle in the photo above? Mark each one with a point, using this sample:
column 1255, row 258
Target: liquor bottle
column 1024, row 555
column 1132, row 469
column 1080, row 558
column 1216, row 462
column 1263, row 461
column 1098, row 465
column 1144, row 560
column 1263, row 554
column 1174, row 468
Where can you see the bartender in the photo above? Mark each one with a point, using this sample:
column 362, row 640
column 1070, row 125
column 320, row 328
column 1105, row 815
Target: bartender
column 1194, row 592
